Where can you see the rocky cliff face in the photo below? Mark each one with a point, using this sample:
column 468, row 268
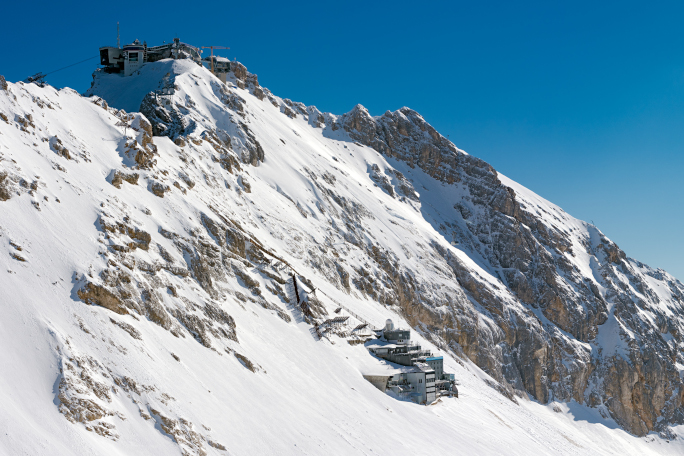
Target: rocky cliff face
column 550, row 342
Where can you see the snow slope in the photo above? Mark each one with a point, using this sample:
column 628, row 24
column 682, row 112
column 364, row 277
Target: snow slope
column 155, row 371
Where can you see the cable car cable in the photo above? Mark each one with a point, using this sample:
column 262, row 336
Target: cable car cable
column 68, row 66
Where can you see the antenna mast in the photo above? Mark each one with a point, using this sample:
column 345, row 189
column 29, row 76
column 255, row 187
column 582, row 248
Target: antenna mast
column 118, row 40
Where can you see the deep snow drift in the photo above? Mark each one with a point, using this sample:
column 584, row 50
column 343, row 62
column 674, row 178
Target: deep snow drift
column 146, row 283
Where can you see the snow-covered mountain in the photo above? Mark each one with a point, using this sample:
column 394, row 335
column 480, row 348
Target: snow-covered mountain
column 149, row 232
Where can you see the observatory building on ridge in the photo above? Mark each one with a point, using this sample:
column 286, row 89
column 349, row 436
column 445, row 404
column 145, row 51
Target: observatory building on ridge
column 131, row 57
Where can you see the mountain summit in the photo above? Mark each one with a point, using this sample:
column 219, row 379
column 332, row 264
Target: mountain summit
column 193, row 267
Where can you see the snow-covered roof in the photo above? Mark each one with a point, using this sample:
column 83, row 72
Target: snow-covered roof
column 380, row 343
column 390, row 369
column 423, row 367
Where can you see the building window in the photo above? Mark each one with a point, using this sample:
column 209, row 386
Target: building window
column 132, row 56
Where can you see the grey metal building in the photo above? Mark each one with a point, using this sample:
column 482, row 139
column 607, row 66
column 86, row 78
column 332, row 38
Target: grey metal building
column 424, row 378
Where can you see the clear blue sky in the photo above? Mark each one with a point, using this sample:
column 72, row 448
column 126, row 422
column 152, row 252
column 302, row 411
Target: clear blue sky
column 582, row 103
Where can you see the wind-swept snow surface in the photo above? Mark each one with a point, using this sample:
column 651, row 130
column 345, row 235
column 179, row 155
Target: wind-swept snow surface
column 147, row 302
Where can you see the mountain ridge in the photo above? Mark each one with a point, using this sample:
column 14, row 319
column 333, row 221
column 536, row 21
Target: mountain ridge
column 183, row 203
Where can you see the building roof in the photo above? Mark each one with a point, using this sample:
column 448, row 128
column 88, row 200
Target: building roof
column 217, row 59
column 380, row 374
column 377, row 343
column 386, row 347
column 397, row 330
column 423, row 367
column 389, row 370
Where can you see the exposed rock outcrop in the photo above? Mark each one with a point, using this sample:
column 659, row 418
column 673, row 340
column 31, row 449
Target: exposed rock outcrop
column 118, row 178
column 5, row 185
column 640, row 387
column 165, row 116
